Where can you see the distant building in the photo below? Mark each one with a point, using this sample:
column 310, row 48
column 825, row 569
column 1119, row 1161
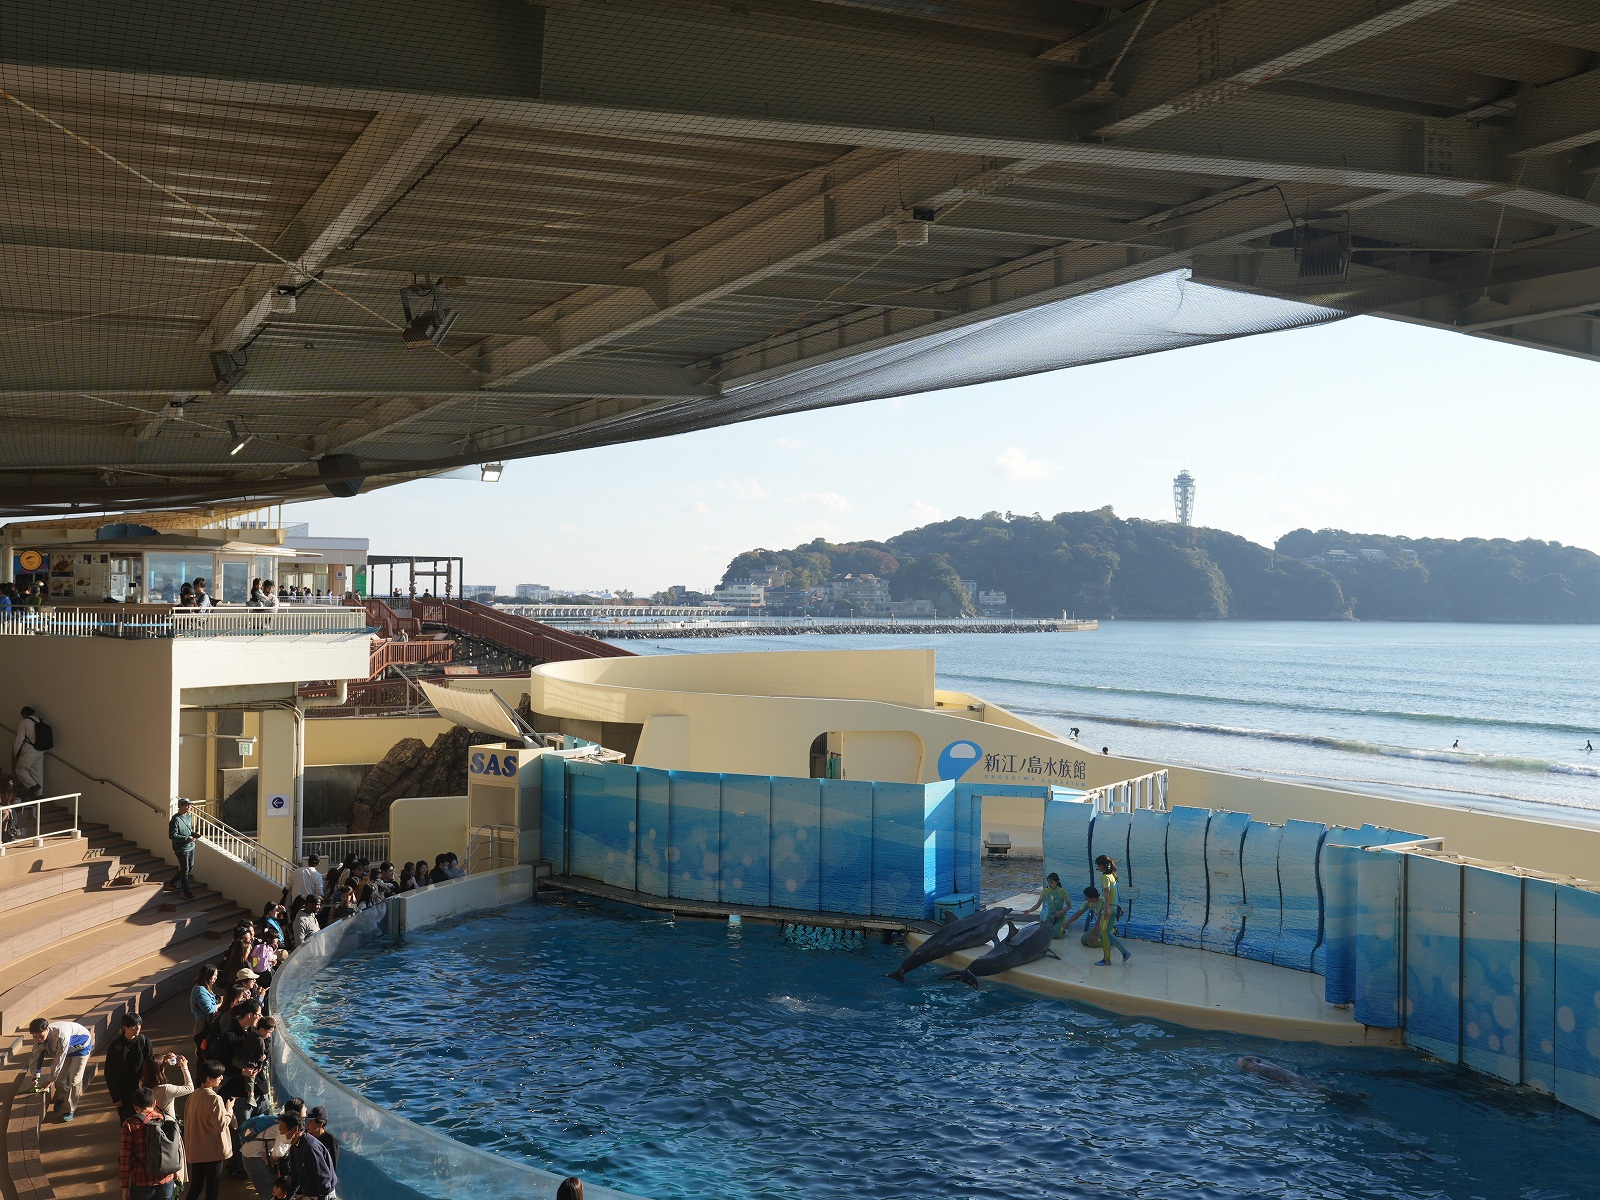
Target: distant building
column 792, row 597
column 992, row 601
column 740, row 593
column 1406, row 555
column 972, row 589
column 909, row 608
column 866, row 594
column 532, row 591
column 1338, row 556
column 478, row 589
column 771, row 577
column 1372, row 555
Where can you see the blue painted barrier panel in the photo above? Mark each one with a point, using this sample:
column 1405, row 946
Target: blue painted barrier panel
column 1433, row 957
column 1263, row 918
column 1337, row 881
column 553, row 811
column 1109, row 836
column 1539, row 984
column 1491, row 973
column 846, row 846
column 797, row 843
column 696, row 842
column 898, row 886
column 586, row 791
column 745, row 877
column 1188, row 886
column 1066, row 842
column 1299, row 849
column 1578, row 998
column 619, row 832
column 655, row 832
column 967, row 835
column 1147, row 860
column 1377, row 952
column 1225, row 882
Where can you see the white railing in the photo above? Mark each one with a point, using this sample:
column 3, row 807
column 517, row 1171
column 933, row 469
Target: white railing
column 1133, row 795
column 374, row 847
column 241, row 847
column 10, row 812
column 149, row 621
column 491, row 847
column 226, row 622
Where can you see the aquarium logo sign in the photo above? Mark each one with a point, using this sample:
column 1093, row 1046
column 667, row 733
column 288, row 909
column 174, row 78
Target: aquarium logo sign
column 502, row 765
column 956, row 759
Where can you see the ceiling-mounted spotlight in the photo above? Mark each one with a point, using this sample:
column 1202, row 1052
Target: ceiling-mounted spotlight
column 428, row 321
column 239, row 437
column 228, row 370
column 282, row 302
column 492, row 472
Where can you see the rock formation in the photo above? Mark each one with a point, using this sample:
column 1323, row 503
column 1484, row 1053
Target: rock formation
column 411, row 768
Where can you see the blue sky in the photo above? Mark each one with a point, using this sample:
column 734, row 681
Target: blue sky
column 1366, row 425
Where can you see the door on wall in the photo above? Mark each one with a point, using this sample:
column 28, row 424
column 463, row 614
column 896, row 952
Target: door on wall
column 233, row 586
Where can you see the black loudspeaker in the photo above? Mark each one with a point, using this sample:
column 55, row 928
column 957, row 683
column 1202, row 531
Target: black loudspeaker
column 336, row 465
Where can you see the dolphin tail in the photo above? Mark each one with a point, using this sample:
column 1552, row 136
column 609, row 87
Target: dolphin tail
column 898, row 975
column 1053, row 955
column 966, row 977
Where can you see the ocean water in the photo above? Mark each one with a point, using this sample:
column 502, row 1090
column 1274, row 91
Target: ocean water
column 1485, row 716
column 695, row 1059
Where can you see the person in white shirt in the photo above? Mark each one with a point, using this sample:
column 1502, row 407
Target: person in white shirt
column 202, row 598
column 68, row 1046
column 307, row 881
column 27, row 760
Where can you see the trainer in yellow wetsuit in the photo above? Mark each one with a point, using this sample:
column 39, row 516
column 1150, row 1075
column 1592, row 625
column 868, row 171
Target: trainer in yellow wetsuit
column 1108, row 910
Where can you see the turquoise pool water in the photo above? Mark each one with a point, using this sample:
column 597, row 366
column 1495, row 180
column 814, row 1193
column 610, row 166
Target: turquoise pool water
column 698, row 1060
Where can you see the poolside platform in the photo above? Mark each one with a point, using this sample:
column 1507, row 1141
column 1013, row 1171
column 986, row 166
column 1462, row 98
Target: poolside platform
column 1199, row 989
column 720, row 911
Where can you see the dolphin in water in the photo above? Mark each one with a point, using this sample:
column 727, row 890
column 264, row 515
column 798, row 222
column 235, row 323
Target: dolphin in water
column 1271, row 1070
column 963, row 934
column 1029, row 944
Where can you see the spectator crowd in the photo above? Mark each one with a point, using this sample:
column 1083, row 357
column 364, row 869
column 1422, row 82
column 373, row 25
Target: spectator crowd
column 228, row 1123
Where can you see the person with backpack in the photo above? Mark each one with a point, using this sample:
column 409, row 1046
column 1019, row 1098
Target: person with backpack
column 125, row 1060
column 34, row 739
column 181, row 832
column 308, row 1168
column 152, row 1151
column 208, row 1120
column 68, row 1046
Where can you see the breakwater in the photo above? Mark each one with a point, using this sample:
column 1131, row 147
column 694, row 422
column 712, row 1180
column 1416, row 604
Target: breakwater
column 736, row 629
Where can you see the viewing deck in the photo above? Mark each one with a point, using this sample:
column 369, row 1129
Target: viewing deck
column 162, row 621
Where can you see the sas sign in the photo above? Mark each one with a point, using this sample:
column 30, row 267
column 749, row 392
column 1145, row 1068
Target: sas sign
column 491, row 762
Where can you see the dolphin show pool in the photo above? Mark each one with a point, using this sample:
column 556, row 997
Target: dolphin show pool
column 696, row 1058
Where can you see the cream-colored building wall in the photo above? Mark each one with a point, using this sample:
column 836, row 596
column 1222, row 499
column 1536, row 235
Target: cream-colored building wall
column 357, row 741
column 426, row 826
column 271, row 659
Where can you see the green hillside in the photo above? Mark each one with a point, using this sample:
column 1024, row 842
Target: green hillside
column 1096, row 564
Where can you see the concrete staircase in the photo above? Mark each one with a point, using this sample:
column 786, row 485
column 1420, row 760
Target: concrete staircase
column 87, row 917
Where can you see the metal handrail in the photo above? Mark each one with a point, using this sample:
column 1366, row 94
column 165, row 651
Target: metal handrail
column 1132, row 795
column 243, row 848
column 219, row 623
column 115, row 620
column 82, row 774
column 491, row 837
column 39, row 836
column 374, row 847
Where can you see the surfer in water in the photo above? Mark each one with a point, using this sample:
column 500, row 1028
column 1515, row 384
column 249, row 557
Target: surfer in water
column 1588, row 747
column 1456, row 745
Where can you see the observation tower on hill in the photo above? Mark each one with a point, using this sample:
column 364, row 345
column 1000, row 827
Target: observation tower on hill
column 1183, row 497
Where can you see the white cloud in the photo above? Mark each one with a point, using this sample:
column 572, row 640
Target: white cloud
column 748, row 490
column 699, row 507
column 1015, row 464
column 569, row 530
column 790, row 444
column 834, row 502
column 923, row 512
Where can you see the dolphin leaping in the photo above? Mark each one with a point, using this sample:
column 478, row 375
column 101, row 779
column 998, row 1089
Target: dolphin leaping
column 963, row 934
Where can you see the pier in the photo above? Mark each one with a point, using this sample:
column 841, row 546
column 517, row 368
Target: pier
column 778, row 628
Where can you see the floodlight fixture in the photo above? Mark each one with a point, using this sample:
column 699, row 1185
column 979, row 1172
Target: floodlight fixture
column 492, row 471
column 428, row 320
column 239, row 437
column 228, row 369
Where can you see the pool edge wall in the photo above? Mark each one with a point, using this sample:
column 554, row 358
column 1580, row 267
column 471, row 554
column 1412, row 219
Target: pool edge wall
column 386, row 1157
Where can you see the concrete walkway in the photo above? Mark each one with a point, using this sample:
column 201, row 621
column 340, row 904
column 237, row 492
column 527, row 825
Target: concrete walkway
column 1195, row 988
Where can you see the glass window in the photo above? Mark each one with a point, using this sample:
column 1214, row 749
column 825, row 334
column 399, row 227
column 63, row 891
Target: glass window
column 235, row 587
column 167, row 573
column 266, row 568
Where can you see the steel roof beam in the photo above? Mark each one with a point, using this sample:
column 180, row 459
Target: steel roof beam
column 1558, row 118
